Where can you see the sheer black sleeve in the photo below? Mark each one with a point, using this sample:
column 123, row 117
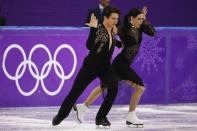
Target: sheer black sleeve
column 126, row 36
column 148, row 29
column 90, row 43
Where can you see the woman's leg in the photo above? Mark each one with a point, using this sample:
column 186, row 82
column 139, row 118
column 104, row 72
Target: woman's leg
column 93, row 96
column 82, row 108
column 135, row 97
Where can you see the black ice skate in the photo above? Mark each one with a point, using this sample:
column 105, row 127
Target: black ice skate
column 56, row 120
column 104, row 122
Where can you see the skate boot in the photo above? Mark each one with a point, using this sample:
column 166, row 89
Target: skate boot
column 132, row 119
column 104, row 122
column 79, row 111
column 56, row 120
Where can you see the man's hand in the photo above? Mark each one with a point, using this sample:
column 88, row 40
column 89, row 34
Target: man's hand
column 115, row 30
column 93, row 21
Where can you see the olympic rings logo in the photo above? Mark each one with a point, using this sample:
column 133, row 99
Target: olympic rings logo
column 44, row 71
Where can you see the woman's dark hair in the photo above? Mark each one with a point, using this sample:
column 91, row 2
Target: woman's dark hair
column 133, row 12
column 109, row 10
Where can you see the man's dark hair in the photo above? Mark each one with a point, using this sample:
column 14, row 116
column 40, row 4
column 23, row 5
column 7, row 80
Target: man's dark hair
column 109, row 10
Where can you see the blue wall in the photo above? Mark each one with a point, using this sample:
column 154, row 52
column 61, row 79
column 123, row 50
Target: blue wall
column 73, row 12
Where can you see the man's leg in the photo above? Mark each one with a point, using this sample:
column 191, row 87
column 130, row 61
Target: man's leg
column 83, row 78
column 111, row 82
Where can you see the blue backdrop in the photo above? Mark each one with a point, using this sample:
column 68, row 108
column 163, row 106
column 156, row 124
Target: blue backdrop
column 73, row 12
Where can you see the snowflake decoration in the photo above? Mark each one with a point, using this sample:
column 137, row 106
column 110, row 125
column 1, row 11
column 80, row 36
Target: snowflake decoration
column 149, row 53
column 192, row 43
column 189, row 89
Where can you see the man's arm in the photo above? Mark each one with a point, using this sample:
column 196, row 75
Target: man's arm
column 93, row 27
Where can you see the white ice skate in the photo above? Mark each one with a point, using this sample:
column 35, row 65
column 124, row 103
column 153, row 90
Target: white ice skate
column 80, row 110
column 132, row 119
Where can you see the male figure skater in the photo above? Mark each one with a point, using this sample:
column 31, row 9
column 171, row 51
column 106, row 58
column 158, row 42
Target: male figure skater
column 96, row 64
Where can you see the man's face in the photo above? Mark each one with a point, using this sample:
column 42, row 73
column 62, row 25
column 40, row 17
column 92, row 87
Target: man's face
column 104, row 3
column 112, row 20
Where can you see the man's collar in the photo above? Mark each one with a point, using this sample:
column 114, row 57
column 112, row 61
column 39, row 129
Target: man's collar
column 101, row 7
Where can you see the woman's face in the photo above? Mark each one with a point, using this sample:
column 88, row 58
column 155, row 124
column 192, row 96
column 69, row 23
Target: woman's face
column 137, row 21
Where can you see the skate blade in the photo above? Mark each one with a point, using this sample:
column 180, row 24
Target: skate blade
column 103, row 127
column 136, row 125
column 75, row 113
